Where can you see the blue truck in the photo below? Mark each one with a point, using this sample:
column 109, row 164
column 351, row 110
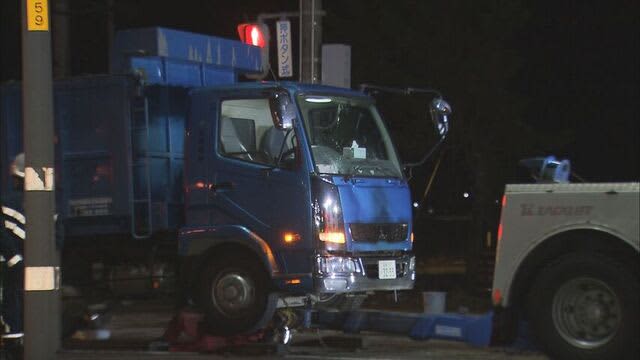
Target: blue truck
column 274, row 194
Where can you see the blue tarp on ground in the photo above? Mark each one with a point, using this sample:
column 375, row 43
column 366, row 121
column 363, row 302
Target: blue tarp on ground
column 472, row 329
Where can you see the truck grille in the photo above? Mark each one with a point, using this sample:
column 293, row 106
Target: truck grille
column 372, row 233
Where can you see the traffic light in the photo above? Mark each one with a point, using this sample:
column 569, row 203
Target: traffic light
column 254, row 34
column 257, row 34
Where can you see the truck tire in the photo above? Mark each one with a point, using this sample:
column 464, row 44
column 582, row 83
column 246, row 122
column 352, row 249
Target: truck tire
column 234, row 295
column 585, row 306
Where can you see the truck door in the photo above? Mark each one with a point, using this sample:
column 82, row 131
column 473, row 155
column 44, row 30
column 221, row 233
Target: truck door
column 251, row 186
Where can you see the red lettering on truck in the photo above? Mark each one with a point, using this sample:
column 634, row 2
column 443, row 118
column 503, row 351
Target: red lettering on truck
column 557, row 210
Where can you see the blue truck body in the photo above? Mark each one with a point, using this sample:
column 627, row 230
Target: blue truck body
column 140, row 162
column 104, row 162
column 120, row 138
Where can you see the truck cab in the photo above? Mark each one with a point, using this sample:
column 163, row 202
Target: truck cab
column 300, row 184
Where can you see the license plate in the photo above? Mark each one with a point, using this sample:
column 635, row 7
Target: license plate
column 387, row 269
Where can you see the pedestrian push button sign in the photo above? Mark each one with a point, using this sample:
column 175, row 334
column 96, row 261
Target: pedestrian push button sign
column 285, row 64
column 37, row 15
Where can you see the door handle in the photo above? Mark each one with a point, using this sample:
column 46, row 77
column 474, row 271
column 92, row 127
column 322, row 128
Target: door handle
column 225, row 185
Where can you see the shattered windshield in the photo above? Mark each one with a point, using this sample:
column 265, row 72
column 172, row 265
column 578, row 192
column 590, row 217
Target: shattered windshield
column 348, row 137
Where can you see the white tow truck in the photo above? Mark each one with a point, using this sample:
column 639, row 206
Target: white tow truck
column 568, row 265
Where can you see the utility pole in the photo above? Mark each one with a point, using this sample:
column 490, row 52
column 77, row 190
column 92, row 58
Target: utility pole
column 310, row 40
column 110, row 33
column 42, row 261
column 60, row 24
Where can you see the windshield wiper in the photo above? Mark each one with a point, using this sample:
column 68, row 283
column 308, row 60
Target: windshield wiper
column 360, row 169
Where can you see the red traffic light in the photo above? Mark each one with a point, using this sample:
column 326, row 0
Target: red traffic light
column 252, row 34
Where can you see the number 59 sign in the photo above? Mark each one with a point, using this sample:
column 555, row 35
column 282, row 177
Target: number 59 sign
column 37, row 15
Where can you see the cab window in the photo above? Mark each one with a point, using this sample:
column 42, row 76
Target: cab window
column 247, row 133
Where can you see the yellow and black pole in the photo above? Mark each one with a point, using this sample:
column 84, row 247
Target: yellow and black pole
column 42, row 269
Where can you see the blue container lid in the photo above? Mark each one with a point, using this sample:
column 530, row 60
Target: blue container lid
column 209, row 52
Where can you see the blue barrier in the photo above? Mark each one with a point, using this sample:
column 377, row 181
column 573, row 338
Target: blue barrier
column 471, row 329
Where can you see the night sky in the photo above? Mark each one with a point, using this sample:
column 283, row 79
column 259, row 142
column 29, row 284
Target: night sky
column 525, row 78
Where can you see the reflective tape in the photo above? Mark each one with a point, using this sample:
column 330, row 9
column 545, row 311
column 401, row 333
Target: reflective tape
column 14, row 260
column 17, row 230
column 17, row 172
column 14, row 214
column 41, row 278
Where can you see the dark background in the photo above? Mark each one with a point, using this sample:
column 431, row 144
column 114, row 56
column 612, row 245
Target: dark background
column 525, row 78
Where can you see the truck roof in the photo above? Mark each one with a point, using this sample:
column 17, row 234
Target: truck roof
column 573, row 187
column 293, row 87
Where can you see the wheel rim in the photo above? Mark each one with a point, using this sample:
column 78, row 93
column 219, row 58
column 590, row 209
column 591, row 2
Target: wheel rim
column 233, row 293
column 586, row 312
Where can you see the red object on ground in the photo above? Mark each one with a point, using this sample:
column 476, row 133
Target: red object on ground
column 185, row 333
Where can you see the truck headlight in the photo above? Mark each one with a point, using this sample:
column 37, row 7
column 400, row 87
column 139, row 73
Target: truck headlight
column 328, row 223
column 337, row 264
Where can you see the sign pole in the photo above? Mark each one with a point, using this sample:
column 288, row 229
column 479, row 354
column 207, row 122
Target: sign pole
column 310, row 40
column 42, row 269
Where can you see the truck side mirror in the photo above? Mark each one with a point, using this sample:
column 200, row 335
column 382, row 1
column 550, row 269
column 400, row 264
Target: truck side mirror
column 282, row 110
column 440, row 111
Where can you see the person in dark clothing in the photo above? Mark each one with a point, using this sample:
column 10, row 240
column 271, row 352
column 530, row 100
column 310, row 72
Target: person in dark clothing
column 12, row 234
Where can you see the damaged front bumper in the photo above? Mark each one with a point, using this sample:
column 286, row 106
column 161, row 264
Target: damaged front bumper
column 375, row 272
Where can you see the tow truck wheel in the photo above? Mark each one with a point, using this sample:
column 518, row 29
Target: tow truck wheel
column 234, row 295
column 585, row 306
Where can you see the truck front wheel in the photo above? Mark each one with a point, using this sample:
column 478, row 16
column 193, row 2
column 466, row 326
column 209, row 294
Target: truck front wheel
column 585, row 306
column 234, row 295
